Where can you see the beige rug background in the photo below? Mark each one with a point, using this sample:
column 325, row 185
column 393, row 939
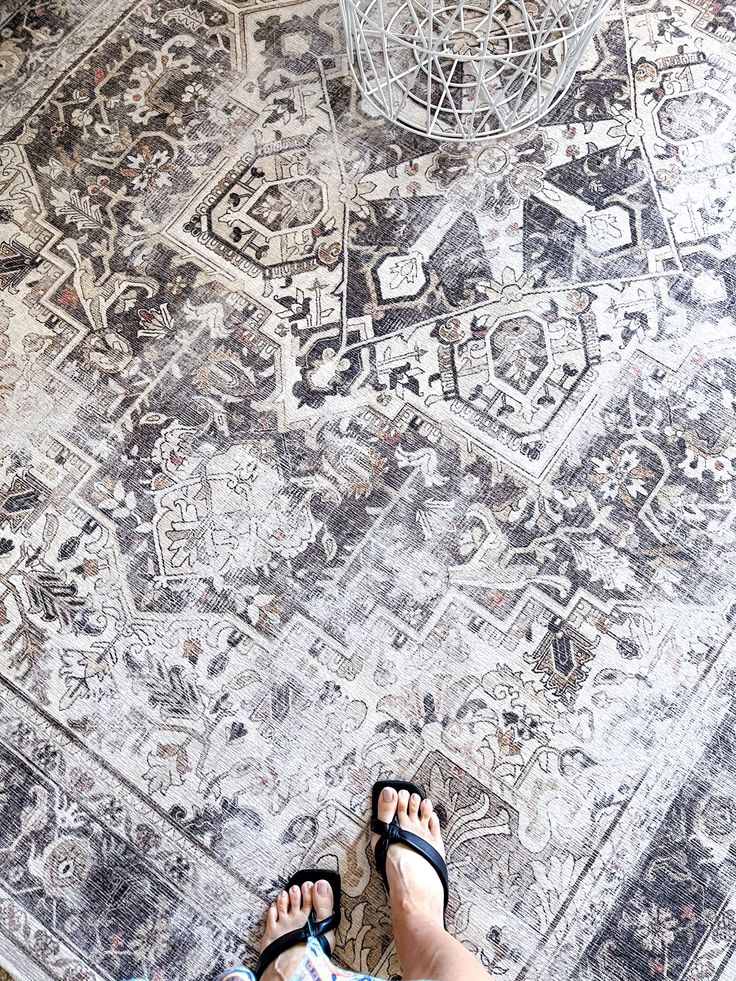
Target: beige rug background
column 329, row 453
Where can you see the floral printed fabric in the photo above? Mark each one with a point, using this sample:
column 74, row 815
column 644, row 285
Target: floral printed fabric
column 315, row 966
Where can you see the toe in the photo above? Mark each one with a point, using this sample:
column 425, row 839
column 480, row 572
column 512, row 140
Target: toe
column 425, row 809
column 434, row 826
column 403, row 803
column 295, row 899
column 282, row 903
column 413, row 808
column 322, row 899
column 387, row 804
column 307, row 890
column 272, row 916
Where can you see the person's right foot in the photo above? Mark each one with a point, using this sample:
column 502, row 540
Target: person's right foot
column 413, row 883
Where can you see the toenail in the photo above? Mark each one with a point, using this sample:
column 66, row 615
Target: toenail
column 388, row 793
column 322, row 887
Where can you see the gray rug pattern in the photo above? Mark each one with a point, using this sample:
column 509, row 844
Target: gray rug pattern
column 328, row 453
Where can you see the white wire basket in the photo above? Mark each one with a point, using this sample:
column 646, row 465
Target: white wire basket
column 466, row 71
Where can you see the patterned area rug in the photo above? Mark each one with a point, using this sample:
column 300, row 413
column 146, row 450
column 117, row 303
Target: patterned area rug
column 328, row 452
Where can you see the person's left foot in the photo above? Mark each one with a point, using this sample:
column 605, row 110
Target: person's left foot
column 289, row 911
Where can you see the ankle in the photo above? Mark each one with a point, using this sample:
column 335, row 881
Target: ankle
column 285, row 965
column 418, row 911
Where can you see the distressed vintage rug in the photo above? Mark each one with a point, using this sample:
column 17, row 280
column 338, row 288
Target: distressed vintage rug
column 327, row 453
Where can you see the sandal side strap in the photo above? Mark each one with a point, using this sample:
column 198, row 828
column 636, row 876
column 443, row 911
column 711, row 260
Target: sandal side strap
column 279, row 946
column 321, row 927
column 311, row 929
column 393, row 833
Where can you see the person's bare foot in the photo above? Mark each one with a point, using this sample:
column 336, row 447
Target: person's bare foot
column 414, row 885
column 289, row 911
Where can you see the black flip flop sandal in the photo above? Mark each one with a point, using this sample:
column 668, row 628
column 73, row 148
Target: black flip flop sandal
column 313, row 928
column 393, row 833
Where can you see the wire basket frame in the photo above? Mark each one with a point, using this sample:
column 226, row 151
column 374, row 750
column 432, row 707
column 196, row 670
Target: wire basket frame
column 466, row 70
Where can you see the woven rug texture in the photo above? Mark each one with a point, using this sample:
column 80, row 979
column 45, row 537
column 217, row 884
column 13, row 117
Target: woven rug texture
column 330, row 453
